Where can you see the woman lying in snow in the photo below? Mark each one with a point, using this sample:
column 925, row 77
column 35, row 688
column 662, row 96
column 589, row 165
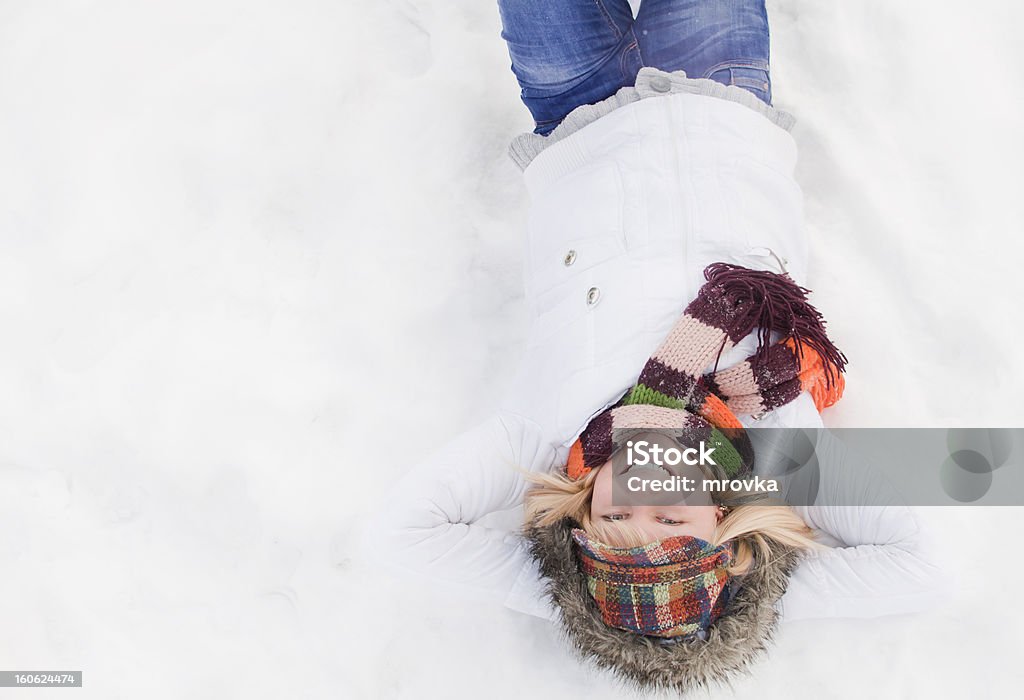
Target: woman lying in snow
column 665, row 252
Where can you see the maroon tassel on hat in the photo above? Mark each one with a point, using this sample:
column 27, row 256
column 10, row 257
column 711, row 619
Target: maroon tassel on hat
column 738, row 300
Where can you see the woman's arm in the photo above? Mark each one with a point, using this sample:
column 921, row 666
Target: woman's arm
column 883, row 560
column 885, row 565
column 431, row 525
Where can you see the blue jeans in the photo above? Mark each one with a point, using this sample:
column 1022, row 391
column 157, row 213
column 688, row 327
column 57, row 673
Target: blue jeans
column 567, row 53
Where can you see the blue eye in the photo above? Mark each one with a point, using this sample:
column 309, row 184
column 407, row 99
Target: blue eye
column 613, row 517
column 666, row 521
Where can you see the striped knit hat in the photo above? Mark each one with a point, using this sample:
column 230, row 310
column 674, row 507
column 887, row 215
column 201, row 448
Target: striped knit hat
column 672, row 393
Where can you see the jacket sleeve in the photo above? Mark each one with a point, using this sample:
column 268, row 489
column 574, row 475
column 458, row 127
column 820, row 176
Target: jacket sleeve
column 883, row 559
column 433, row 523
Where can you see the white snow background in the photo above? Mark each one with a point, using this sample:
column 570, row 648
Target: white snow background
column 247, row 246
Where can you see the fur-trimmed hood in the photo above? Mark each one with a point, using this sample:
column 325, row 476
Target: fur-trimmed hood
column 732, row 643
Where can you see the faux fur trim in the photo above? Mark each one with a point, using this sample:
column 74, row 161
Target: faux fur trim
column 733, row 642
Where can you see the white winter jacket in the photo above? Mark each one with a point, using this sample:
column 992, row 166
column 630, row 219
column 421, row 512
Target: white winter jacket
column 625, row 215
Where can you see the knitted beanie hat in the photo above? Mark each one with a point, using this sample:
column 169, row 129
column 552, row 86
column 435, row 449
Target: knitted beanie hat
column 672, row 392
column 670, row 588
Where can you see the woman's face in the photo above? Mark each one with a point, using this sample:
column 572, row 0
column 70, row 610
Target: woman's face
column 655, row 522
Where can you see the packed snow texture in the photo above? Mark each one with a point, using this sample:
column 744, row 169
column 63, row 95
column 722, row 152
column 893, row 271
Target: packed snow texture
column 246, row 247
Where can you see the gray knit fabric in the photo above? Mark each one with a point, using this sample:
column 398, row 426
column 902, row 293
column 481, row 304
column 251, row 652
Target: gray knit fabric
column 650, row 82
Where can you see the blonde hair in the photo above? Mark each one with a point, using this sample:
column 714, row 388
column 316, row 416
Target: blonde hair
column 556, row 496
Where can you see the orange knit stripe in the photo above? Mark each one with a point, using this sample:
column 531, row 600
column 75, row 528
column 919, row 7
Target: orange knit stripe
column 812, row 377
column 575, row 467
column 718, row 414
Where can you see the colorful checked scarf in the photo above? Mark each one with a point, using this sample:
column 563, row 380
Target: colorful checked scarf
column 672, row 392
column 670, row 588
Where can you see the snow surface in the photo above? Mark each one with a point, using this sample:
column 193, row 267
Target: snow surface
column 247, row 246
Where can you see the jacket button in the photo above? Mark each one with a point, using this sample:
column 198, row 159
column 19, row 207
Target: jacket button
column 570, row 258
column 660, row 83
column 593, row 296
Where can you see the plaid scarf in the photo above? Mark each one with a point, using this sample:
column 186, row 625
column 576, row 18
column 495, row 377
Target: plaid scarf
column 672, row 392
column 670, row 588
